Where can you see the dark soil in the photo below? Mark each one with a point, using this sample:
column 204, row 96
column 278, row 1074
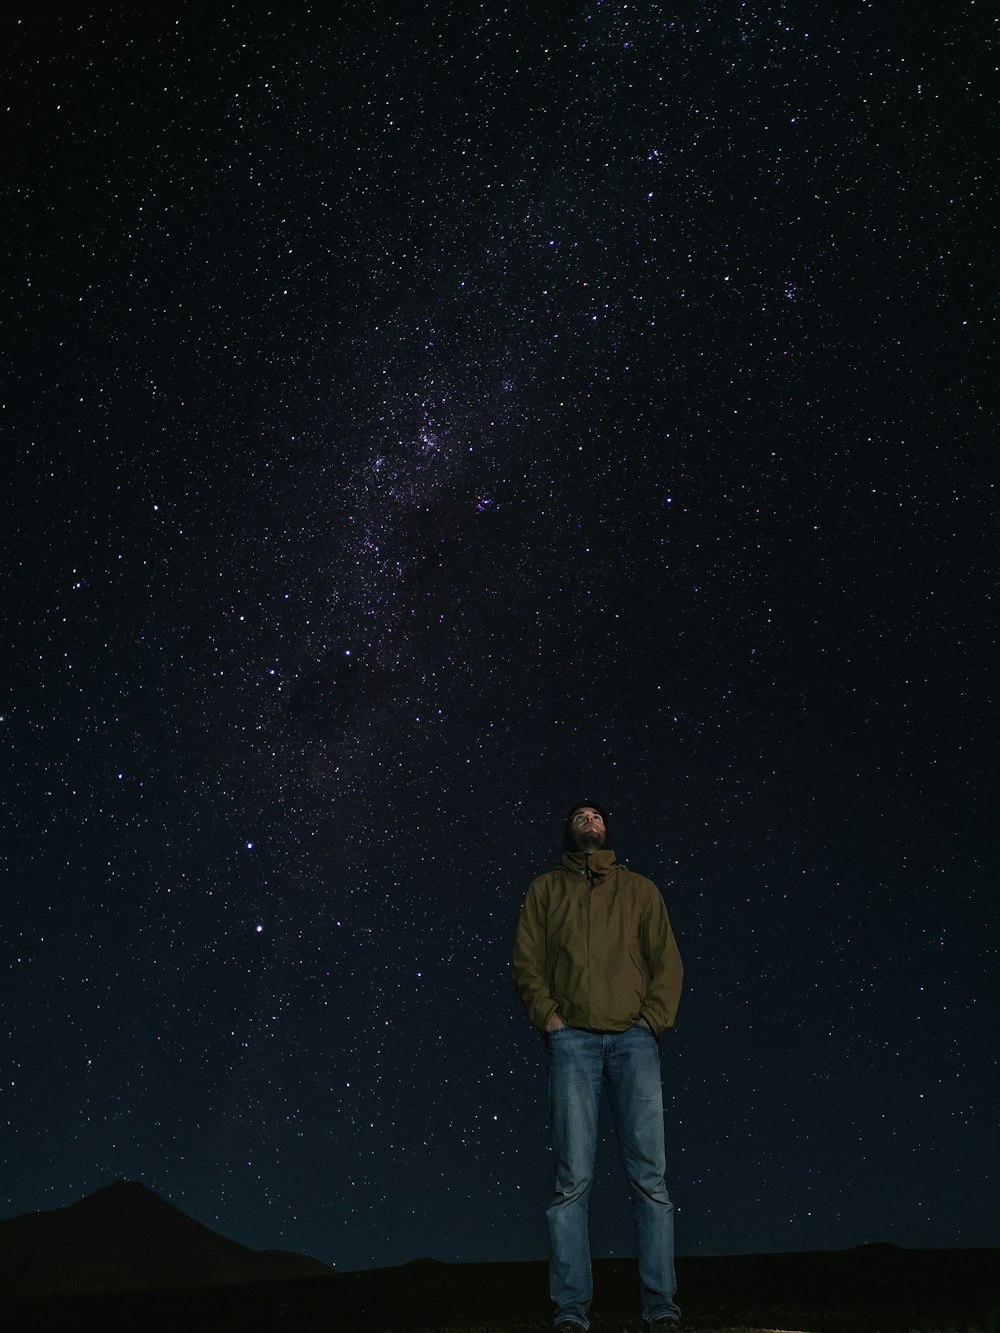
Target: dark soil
column 876, row 1289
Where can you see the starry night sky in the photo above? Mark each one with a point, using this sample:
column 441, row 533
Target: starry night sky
column 421, row 416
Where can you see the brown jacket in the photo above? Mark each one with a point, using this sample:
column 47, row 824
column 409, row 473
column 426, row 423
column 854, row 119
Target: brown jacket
column 594, row 942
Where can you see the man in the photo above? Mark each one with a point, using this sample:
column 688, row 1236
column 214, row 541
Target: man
column 597, row 969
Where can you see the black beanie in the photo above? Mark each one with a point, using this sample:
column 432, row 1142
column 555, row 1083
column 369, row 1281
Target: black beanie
column 569, row 844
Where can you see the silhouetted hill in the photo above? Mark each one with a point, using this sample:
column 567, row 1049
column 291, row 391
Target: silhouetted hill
column 126, row 1238
column 124, row 1259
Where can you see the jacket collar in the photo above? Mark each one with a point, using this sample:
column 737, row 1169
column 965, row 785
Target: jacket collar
column 595, row 865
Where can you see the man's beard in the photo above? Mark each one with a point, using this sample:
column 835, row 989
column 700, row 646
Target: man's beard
column 589, row 841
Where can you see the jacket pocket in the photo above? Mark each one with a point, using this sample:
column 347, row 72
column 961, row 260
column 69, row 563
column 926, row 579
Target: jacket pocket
column 552, row 971
column 641, row 976
column 641, row 968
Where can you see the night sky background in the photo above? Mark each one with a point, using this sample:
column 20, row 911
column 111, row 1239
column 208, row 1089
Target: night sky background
column 417, row 417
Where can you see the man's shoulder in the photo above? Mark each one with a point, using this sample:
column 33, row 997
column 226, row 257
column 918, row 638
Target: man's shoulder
column 553, row 875
column 639, row 883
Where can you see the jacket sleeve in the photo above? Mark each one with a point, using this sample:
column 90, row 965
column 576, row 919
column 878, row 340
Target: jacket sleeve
column 663, row 959
column 528, row 965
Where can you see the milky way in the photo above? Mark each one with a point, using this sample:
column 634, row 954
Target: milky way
column 423, row 417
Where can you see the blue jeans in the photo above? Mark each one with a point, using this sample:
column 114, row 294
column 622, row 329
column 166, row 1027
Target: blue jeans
column 628, row 1065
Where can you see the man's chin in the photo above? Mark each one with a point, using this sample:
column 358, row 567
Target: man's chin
column 590, row 842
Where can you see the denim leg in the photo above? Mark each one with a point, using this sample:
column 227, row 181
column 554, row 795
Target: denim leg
column 575, row 1075
column 636, row 1094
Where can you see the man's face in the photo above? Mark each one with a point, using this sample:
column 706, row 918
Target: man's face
column 588, row 829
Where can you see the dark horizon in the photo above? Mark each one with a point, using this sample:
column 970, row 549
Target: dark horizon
column 419, row 418
column 126, row 1257
column 430, row 1258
